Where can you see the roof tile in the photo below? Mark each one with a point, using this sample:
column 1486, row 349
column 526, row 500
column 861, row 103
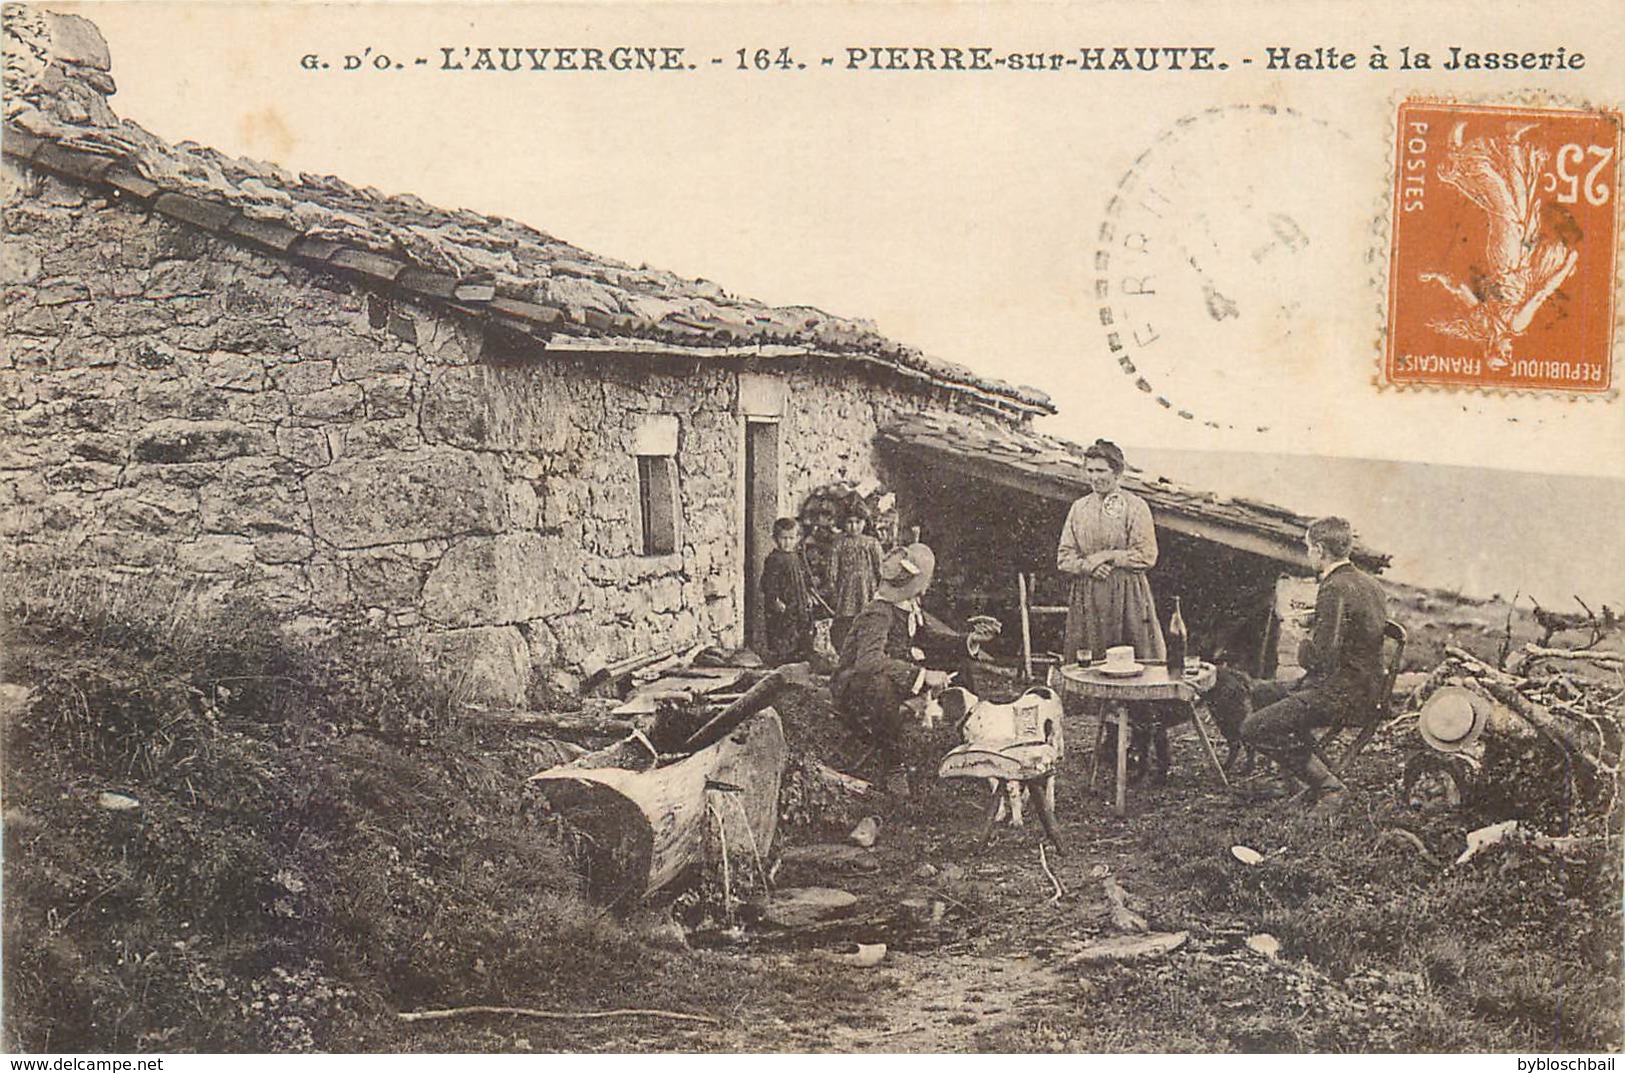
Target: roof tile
column 430, row 284
column 316, row 249
column 87, row 167
column 21, row 144
column 526, row 311
column 209, row 215
column 272, row 236
column 373, row 265
column 130, row 183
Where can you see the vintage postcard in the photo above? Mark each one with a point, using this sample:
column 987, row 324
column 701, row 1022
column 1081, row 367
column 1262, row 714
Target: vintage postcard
column 810, row 527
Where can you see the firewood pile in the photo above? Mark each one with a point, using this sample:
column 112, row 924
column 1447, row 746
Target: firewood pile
column 1555, row 735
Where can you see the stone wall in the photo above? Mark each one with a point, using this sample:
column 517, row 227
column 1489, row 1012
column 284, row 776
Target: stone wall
column 171, row 402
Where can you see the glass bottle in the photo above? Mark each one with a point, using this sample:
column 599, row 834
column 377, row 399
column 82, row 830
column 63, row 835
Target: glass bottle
column 1178, row 640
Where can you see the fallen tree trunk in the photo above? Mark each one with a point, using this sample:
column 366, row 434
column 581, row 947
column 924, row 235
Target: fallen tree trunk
column 639, row 830
column 1503, row 687
column 1555, row 727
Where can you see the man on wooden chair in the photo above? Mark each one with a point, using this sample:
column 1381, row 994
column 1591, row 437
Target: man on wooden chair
column 1342, row 659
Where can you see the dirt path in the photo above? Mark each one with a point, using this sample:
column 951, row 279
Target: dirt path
column 946, row 1004
column 994, row 975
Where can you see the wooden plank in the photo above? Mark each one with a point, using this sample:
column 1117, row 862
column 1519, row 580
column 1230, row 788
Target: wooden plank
column 1026, row 626
column 697, row 680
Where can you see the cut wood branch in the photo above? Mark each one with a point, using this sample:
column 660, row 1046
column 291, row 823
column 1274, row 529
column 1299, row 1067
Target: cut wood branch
column 1043, row 862
column 1555, row 622
column 1502, row 721
column 1611, row 660
column 610, row 671
column 756, row 698
column 1478, row 667
column 552, row 1015
column 1506, row 635
column 678, row 660
column 849, row 783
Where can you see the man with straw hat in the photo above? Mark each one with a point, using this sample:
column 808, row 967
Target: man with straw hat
column 883, row 659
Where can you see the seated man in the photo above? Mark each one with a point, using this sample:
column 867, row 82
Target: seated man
column 1342, row 658
column 883, row 659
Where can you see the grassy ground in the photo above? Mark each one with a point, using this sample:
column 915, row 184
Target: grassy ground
column 317, row 844
column 320, row 844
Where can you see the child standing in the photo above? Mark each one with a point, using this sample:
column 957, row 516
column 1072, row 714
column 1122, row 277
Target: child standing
column 787, row 587
column 857, row 573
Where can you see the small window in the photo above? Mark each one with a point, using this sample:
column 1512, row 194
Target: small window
column 657, row 500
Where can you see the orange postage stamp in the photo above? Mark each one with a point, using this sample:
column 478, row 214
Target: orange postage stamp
column 1504, row 259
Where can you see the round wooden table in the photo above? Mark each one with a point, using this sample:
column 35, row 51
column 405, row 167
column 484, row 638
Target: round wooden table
column 1152, row 683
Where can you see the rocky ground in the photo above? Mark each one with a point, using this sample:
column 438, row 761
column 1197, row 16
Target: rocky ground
column 297, row 868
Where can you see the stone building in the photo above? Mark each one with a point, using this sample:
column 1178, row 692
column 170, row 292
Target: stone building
column 344, row 403
column 525, row 458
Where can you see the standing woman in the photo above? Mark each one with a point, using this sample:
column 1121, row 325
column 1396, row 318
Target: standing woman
column 1107, row 545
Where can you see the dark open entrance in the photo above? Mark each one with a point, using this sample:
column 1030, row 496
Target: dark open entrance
column 761, row 491
column 987, row 526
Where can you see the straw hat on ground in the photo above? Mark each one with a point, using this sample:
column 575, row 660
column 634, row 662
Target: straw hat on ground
column 1452, row 719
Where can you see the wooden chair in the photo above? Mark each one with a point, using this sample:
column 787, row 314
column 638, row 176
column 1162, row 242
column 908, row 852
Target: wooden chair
column 1393, row 651
column 1025, row 586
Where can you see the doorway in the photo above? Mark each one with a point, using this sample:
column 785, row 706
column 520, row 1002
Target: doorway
column 761, row 491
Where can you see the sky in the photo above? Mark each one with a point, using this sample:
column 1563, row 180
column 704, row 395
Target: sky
column 963, row 212
column 1481, row 532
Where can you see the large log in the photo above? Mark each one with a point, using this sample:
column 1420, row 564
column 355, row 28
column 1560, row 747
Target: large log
column 1557, row 728
column 641, row 830
column 1503, row 687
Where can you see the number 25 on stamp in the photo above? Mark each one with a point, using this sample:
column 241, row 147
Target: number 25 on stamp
column 1505, row 248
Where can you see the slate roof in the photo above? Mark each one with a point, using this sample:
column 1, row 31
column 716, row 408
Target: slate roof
column 57, row 119
column 1052, row 468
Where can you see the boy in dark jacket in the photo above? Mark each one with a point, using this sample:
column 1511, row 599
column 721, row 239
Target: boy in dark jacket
column 787, row 589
